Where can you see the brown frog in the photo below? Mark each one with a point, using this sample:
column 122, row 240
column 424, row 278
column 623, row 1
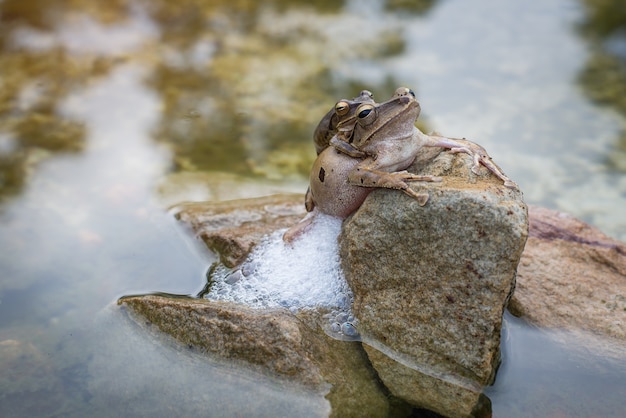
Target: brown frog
column 383, row 155
column 343, row 113
column 332, row 189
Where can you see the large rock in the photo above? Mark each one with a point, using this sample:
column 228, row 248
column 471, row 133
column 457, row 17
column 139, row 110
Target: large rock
column 431, row 283
column 275, row 342
column 572, row 276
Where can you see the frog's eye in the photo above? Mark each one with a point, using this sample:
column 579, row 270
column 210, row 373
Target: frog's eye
column 366, row 95
column 403, row 91
column 341, row 108
column 364, row 110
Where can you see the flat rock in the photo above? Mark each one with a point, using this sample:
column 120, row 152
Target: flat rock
column 272, row 341
column 431, row 283
column 233, row 228
column 572, row 277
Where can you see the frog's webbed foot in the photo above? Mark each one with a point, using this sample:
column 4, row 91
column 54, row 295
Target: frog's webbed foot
column 484, row 159
column 367, row 177
column 510, row 184
column 399, row 179
column 346, row 148
column 478, row 154
column 299, row 229
column 480, row 157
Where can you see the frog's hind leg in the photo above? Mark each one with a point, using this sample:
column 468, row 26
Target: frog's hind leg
column 299, row 229
column 368, row 177
column 478, row 154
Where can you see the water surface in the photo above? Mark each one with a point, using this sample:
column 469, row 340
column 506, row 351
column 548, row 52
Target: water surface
column 110, row 112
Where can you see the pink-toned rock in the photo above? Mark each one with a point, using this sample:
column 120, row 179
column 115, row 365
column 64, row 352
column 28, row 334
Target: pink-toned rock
column 571, row 276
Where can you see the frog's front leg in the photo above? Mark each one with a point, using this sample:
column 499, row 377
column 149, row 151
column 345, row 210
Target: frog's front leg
column 309, row 203
column 346, row 148
column 478, row 154
column 366, row 176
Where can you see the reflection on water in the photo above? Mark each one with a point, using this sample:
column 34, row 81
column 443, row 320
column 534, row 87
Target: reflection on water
column 109, row 111
column 546, row 374
column 193, row 386
column 604, row 75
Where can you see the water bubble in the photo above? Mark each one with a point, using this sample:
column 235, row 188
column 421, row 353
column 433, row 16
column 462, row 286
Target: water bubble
column 348, row 329
column 249, row 268
column 234, row 277
column 342, row 317
column 335, row 327
column 302, row 275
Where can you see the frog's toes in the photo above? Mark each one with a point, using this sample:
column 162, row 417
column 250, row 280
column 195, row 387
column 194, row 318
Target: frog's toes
column 511, row 184
column 422, row 198
column 463, row 149
column 415, row 177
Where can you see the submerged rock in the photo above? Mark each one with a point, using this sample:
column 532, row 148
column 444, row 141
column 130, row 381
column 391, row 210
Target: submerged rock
column 431, row 283
column 275, row 341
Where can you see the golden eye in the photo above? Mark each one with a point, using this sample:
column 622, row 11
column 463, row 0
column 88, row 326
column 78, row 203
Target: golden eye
column 364, row 110
column 341, row 108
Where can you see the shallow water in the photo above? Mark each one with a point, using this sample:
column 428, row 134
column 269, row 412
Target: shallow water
column 112, row 111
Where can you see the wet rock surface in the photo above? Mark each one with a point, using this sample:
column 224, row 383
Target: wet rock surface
column 430, row 286
column 431, row 283
column 273, row 341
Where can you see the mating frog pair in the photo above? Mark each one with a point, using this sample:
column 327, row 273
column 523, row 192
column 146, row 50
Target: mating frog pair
column 362, row 145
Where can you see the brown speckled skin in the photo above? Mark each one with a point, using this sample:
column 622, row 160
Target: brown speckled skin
column 331, row 189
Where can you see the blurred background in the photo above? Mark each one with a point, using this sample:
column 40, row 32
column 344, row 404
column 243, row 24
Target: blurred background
column 112, row 112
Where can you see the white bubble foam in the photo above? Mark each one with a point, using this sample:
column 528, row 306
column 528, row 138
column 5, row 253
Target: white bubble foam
column 305, row 274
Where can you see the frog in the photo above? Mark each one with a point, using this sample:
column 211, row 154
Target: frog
column 383, row 156
column 331, row 190
column 343, row 113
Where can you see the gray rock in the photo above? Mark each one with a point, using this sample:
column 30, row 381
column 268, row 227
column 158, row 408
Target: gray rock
column 275, row 342
column 429, row 347
column 233, row 228
column 431, row 283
